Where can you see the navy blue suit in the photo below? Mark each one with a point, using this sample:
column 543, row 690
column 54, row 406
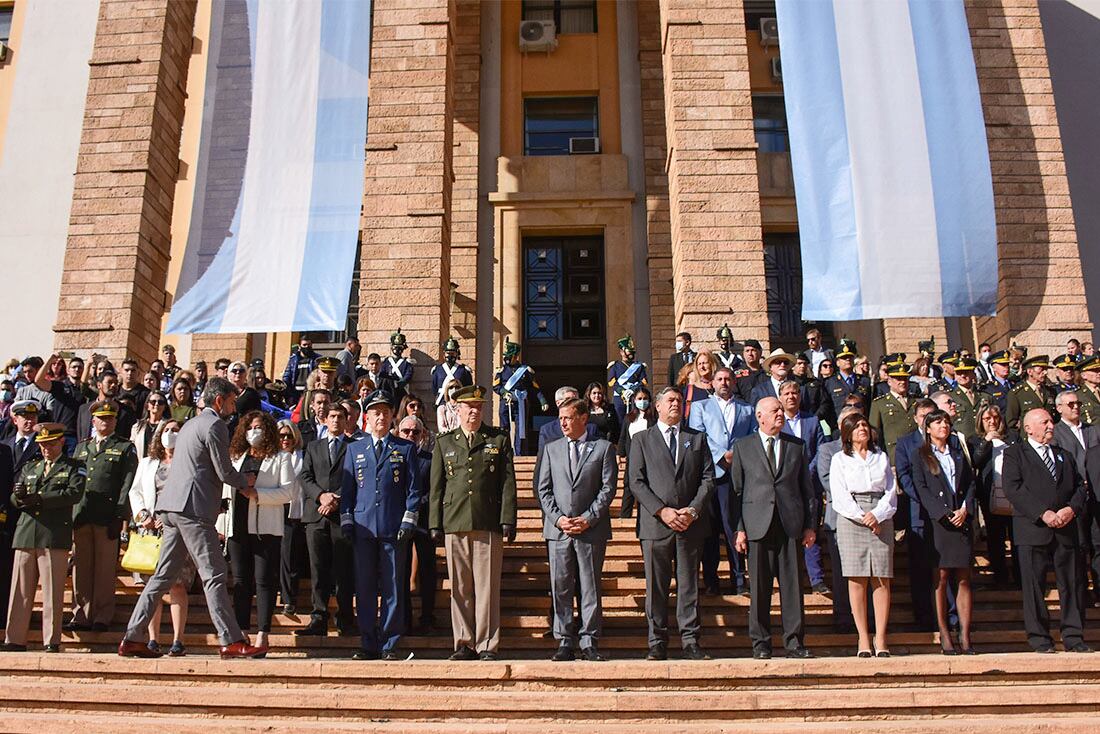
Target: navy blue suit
column 440, row 376
column 812, row 437
column 376, row 498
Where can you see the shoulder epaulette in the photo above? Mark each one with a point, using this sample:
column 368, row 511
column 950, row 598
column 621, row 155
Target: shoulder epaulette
column 609, row 365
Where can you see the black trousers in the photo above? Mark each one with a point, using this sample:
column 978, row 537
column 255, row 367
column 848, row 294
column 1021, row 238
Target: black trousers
column 332, row 565
column 918, row 542
column 7, row 565
column 723, row 534
column 680, row 555
column 254, row 560
column 427, row 577
column 293, row 560
column 1089, row 525
column 842, row 606
column 776, row 554
column 1036, row 561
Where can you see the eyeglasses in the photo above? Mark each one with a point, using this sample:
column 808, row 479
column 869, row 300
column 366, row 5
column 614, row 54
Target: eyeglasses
column 286, row 437
column 1072, row 404
column 157, row 402
column 237, row 371
column 409, row 432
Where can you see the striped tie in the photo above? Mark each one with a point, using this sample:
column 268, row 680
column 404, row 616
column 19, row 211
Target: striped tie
column 1048, row 459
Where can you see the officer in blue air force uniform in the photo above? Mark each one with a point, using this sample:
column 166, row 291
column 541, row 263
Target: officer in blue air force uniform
column 379, row 502
column 449, row 369
column 625, row 376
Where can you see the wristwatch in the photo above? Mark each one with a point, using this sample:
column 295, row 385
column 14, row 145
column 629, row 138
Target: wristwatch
column 141, row 517
column 693, row 512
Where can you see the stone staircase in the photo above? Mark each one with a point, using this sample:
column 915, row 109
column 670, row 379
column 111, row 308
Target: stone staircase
column 303, row 685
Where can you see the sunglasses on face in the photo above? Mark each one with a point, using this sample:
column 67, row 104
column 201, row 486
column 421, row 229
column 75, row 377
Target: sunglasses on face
column 237, row 371
column 1072, row 404
column 285, row 437
column 409, row 432
column 157, row 402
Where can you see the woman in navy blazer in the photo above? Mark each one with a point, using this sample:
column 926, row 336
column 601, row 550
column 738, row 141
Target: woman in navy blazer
column 945, row 486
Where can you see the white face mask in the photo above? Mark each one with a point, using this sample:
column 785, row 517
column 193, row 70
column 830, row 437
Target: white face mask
column 985, row 356
column 679, row 345
column 255, row 436
column 641, row 404
column 168, row 439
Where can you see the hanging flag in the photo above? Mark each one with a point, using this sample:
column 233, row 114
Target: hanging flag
column 891, row 165
column 279, row 180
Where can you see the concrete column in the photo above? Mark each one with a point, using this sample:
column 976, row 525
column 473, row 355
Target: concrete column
column 116, row 262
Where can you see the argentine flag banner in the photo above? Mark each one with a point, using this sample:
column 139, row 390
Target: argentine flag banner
column 279, row 176
column 891, row 166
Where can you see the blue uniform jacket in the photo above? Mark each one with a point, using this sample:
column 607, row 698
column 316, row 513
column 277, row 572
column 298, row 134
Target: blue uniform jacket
column 401, row 373
column 706, row 417
column 379, row 496
column 439, row 376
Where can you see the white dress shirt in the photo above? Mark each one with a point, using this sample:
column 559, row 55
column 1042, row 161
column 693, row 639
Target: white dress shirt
column 640, row 424
column 853, row 474
column 729, row 412
column 764, row 438
column 1077, row 433
column 794, row 425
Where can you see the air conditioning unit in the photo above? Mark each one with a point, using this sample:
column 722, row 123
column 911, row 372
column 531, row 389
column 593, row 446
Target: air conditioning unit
column 3, row 51
column 769, row 32
column 777, row 70
column 537, row 35
column 580, row 146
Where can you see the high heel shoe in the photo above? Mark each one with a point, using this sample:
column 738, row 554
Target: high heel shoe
column 949, row 651
column 864, row 654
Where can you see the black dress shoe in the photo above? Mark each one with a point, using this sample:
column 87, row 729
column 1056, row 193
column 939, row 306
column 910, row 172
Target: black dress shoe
column 51, row 648
column 564, row 653
column 488, row 655
column 968, row 651
column 391, row 655
column 592, row 654
column 694, row 652
column 950, row 651
column 800, row 652
column 463, row 653
column 1046, row 648
column 762, row 653
column 365, row 655
column 290, row 610
column 658, row 652
column 1079, row 647
column 316, row 628
column 12, row 647
column 712, row 590
column 821, row 589
column 77, row 627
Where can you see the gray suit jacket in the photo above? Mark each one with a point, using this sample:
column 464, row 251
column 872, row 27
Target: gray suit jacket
column 1065, row 440
column 825, row 456
column 760, row 494
column 657, row 484
column 589, row 493
column 200, row 466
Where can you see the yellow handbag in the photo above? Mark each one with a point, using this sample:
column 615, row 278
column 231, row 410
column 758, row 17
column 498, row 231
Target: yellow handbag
column 142, row 554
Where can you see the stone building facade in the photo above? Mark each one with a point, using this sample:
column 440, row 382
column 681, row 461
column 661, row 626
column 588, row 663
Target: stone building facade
column 475, row 224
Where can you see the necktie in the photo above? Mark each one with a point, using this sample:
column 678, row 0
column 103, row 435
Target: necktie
column 771, row 454
column 672, row 443
column 377, row 450
column 850, row 379
column 1049, row 461
column 333, row 449
column 574, row 457
column 21, row 446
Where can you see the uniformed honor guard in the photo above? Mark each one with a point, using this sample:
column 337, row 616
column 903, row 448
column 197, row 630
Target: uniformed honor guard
column 1088, row 370
column 379, row 501
column 968, row 400
column 45, row 491
column 397, row 369
column 625, row 376
column 998, row 387
column 449, row 369
column 845, row 382
column 1031, row 392
column 891, row 415
column 473, row 508
column 927, row 350
column 110, row 463
column 1066, row 366
column 515, row 383
column 726, row 357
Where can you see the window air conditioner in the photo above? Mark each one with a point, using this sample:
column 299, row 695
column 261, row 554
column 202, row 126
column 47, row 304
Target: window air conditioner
column 769, row 32
column 579, row 146
column 537, row 35
column 777, row 71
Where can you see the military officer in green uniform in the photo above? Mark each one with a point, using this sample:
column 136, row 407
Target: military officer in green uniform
column 968, row 400
column 1066, row 366
column 1088, row 371
column 1031, row 392
column 891, row 414
column 111, row 463
column 46, row 491
column 472, row 509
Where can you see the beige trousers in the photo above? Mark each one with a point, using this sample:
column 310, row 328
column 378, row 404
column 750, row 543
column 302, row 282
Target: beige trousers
column 31, row 564
column 95, row 574
column 474, row 563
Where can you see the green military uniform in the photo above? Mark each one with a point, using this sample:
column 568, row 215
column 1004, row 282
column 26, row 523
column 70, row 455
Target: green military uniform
column 1090, row 400
column 968, row 403
column 47, row 522
column 892, row 420
column 111, row 465
column 473, row 501
column 1025, row 396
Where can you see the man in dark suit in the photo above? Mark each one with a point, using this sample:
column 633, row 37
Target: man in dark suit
column 770, row 478
column 330, row 551
column 1041, row 482
column 1077, row 440
column 808, row 428
column 1092, row 536
column 672, row 477
column 683, row 355
column 9, row 516
column 315, row 427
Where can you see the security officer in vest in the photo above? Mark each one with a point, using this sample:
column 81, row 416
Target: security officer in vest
column 111, row 463
column 1067, row 374
column 515, row 383
column 46, row 491
column 449, row 369
column 1088, row 370
column 1031, row 392
column 398, row 370
column 845, row 382
column 1001, row 383
column 625, row 376
column 891, row 415
column 472, row 510
column 725, row 355
column 379, row 502
column 968, row 399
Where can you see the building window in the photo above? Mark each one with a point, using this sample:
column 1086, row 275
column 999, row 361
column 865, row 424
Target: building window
column 549, row 123
column 6, row 12
column 769, row 122
column 569, row 16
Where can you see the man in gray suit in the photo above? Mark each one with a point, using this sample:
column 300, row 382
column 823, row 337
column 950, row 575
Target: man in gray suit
column 188, row 506
column 1076, row 439
column 576, row 484
column 672, row 477
column 770, row 478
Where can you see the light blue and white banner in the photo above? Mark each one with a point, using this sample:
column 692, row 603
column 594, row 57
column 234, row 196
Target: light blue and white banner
column 279, row 180
column 891, row 165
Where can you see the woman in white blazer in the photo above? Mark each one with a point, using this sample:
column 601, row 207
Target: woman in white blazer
column 253, row 520
column 152, row 472
column 295, row 556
